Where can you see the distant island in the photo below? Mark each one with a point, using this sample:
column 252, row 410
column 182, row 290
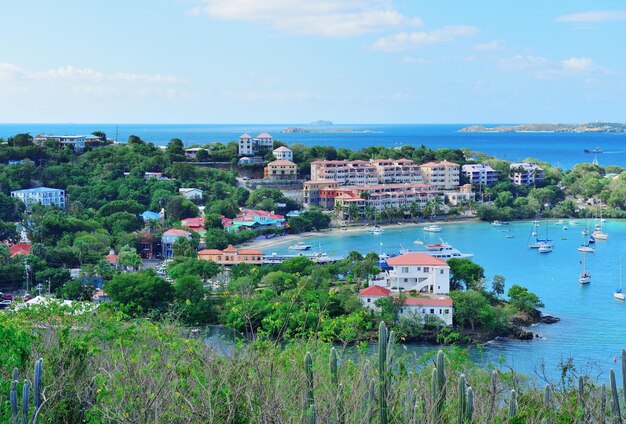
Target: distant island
column 322, row 123
column 588, row 127
column 329, row 130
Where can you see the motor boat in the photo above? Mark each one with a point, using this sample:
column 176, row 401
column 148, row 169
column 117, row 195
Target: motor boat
column 300, row 246
column 432, row 228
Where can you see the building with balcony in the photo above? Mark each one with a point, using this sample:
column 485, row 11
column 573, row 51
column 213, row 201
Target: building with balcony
column 283, row 153
column 169, row 238
column 76, row 142
column 249, row 146
column 281, row 170
column 41, row 195
column 526, row 173
column 394, row 171
column 319, row 193
column 417, row 272
column 462, row 195
column 480, row 173
column 442, row 175
column 232, row 256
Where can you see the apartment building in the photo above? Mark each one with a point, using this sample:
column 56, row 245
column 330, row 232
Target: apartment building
column 360, row 172
column 281, row 170
column 442, row 175
column 283, row 153
column 526, row 173
column 42, row 195
column 480, row 173
column 320, row 192
column 249, row 146
column 232, row 256
column 382, row 196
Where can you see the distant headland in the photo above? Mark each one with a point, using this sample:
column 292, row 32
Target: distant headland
column 322, row 123
column 587, row 127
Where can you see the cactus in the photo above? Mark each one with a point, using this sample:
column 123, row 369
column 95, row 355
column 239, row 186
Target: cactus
column 334, row 378
column 615, row 412
column 469, row 405
column 493, row 390
column 439, row 388
column 462, row 399
column 310, row 399
column 512, row 405
column 602, row 403
column 547, row 400
column 23, row 412
column 382, row 373
column 372, row 395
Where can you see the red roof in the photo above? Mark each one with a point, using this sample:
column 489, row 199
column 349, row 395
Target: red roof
column 281, row 162
column 250, row 252
column 375, row 291
column 210, row 252
column 245, row 135
column 282, row 149
column 264, row 135
column 415, row 259
column 20, row 249
column 176, row 232
column 111, row 258
column 427, row 301
column 230, row 248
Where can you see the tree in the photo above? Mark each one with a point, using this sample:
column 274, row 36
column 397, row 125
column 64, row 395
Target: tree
column 53, row 277
column 497, row 285
column 202, row 156
column 140, row 292
column 524, row 300
column 467, row 307
column 191, row 266
column 184, row 247
column 8, row 231
column 77, row 290
column 129, row 258
column 465, row 272
column 175, row 147
column 180, row 208
column 101, row 135
column 193, row 301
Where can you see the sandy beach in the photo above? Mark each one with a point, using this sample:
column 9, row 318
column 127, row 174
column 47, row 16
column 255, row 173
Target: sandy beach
column 268, row 243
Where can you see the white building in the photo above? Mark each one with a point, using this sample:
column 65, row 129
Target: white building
column 525, row 173
column 283, row 153
column 480, row 173
column 418, row 272
column 75, row 141
column 442, row 175
column 418, row 308
column 249, row 146
column 191, row 193
column 41, row 195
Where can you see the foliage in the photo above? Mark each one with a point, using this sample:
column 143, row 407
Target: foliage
column 140, row 292
column 465, row 274
column 524, row 300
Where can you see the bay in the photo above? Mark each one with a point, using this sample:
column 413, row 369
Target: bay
column 559, row 149
column 592, row 330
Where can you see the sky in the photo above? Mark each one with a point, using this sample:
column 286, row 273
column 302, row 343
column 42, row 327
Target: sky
column 296, row 61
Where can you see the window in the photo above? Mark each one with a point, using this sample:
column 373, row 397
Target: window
column 405, row 269
column 441, row 271
column 432, row 311
column 369, row 300
column 425, row 269
column 446, row 311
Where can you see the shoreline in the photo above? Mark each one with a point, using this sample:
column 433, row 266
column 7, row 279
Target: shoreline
column 268, row 243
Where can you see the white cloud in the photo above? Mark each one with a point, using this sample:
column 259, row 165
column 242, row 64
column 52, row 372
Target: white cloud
column 413, row 40
column 578, row 64
column 594, row 16
column 328, row 18
column 494, row 45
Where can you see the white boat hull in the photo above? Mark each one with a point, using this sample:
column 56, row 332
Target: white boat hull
column 600, row 236
column 618, row 296
column 586, row 249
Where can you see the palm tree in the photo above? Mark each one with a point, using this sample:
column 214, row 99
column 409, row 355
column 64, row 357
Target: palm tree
column 370, row 213
column 353, row 212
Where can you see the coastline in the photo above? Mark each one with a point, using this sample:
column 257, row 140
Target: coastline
column 268, row 243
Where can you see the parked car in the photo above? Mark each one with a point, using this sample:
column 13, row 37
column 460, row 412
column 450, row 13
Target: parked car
column 5, row 303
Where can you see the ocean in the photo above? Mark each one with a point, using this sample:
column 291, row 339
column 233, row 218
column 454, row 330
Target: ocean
column 559, row 149
column 591, row 330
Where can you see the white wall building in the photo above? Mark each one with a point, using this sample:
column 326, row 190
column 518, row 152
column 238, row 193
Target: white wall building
column 419, row 272
column 41, row 195
column 526, row 173
column 283, row 153
column 191, row 193
column 249, row 146
column 480, row 173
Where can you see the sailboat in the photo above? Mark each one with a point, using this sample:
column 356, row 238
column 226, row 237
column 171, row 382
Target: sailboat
column 598, row 232
column 585, row 246
column 585, row 276
column 545, row 244
column 619, row 293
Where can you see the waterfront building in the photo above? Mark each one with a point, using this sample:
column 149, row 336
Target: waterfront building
column 191, row 193
column 232, row 256
column 393, row 171
column 442, row 175
column 319, row 193
column 360, row 172
column 417, row 272
column 281, row 170
column 423, row 308
column 42, row 195
column 253, row 220
column 480, row 173
column 381, row 196
column 526, row 173
column 249, row 146
column 462, row 195
column 283, row 153
column 77, row 142
column 169, row 238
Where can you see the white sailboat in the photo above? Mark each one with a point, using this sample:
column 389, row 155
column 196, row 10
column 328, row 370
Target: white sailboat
column 585, row 246
column 585, row 276
column 619, row 293
column 598, row 232
column 544, row 245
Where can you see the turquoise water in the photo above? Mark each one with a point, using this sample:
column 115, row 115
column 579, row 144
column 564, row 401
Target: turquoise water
column 593, row 325
column 559, row 149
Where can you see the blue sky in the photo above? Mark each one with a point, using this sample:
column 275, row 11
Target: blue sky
column 295, row 61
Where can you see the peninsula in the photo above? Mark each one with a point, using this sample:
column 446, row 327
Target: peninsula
column 588, row 127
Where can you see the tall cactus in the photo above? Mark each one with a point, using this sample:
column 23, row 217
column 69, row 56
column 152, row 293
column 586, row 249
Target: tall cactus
column 512, row 405
column 25, row 401
column 310, row 399
column 334, row 377
column 493, row 391
column 13, row 399
column 462, row 399
column 370, row 403
column 469, row 405
column 615, row 412
column 382, row 373
column 439, row 388
column 24, row 411
column 547, row 400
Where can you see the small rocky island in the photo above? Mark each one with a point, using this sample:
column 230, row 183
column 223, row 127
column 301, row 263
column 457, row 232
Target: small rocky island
column 588, row 127
column 322, row 123
column 326, row 130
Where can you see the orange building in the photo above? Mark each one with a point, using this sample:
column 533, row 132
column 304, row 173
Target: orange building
column 232, row 256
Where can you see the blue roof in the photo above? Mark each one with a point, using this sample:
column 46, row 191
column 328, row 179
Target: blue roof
column 150, row 215
column 38, row 190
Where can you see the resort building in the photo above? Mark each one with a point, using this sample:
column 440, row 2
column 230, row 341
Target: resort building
column 525, row 173
column 417, row 272
column 463, row 195
column 283, row 153
column 232, row 256
column 253, row 220
column 381, row 196
column 169, row 238
column 281, row 170
column 393, row 171
column 360, row 172
column 249, row 146
column 42, row 195
column 423, row 308
column 77, row 142
column 442, row 175
column 191, row 193
column 319, row 193
column 480, row 174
